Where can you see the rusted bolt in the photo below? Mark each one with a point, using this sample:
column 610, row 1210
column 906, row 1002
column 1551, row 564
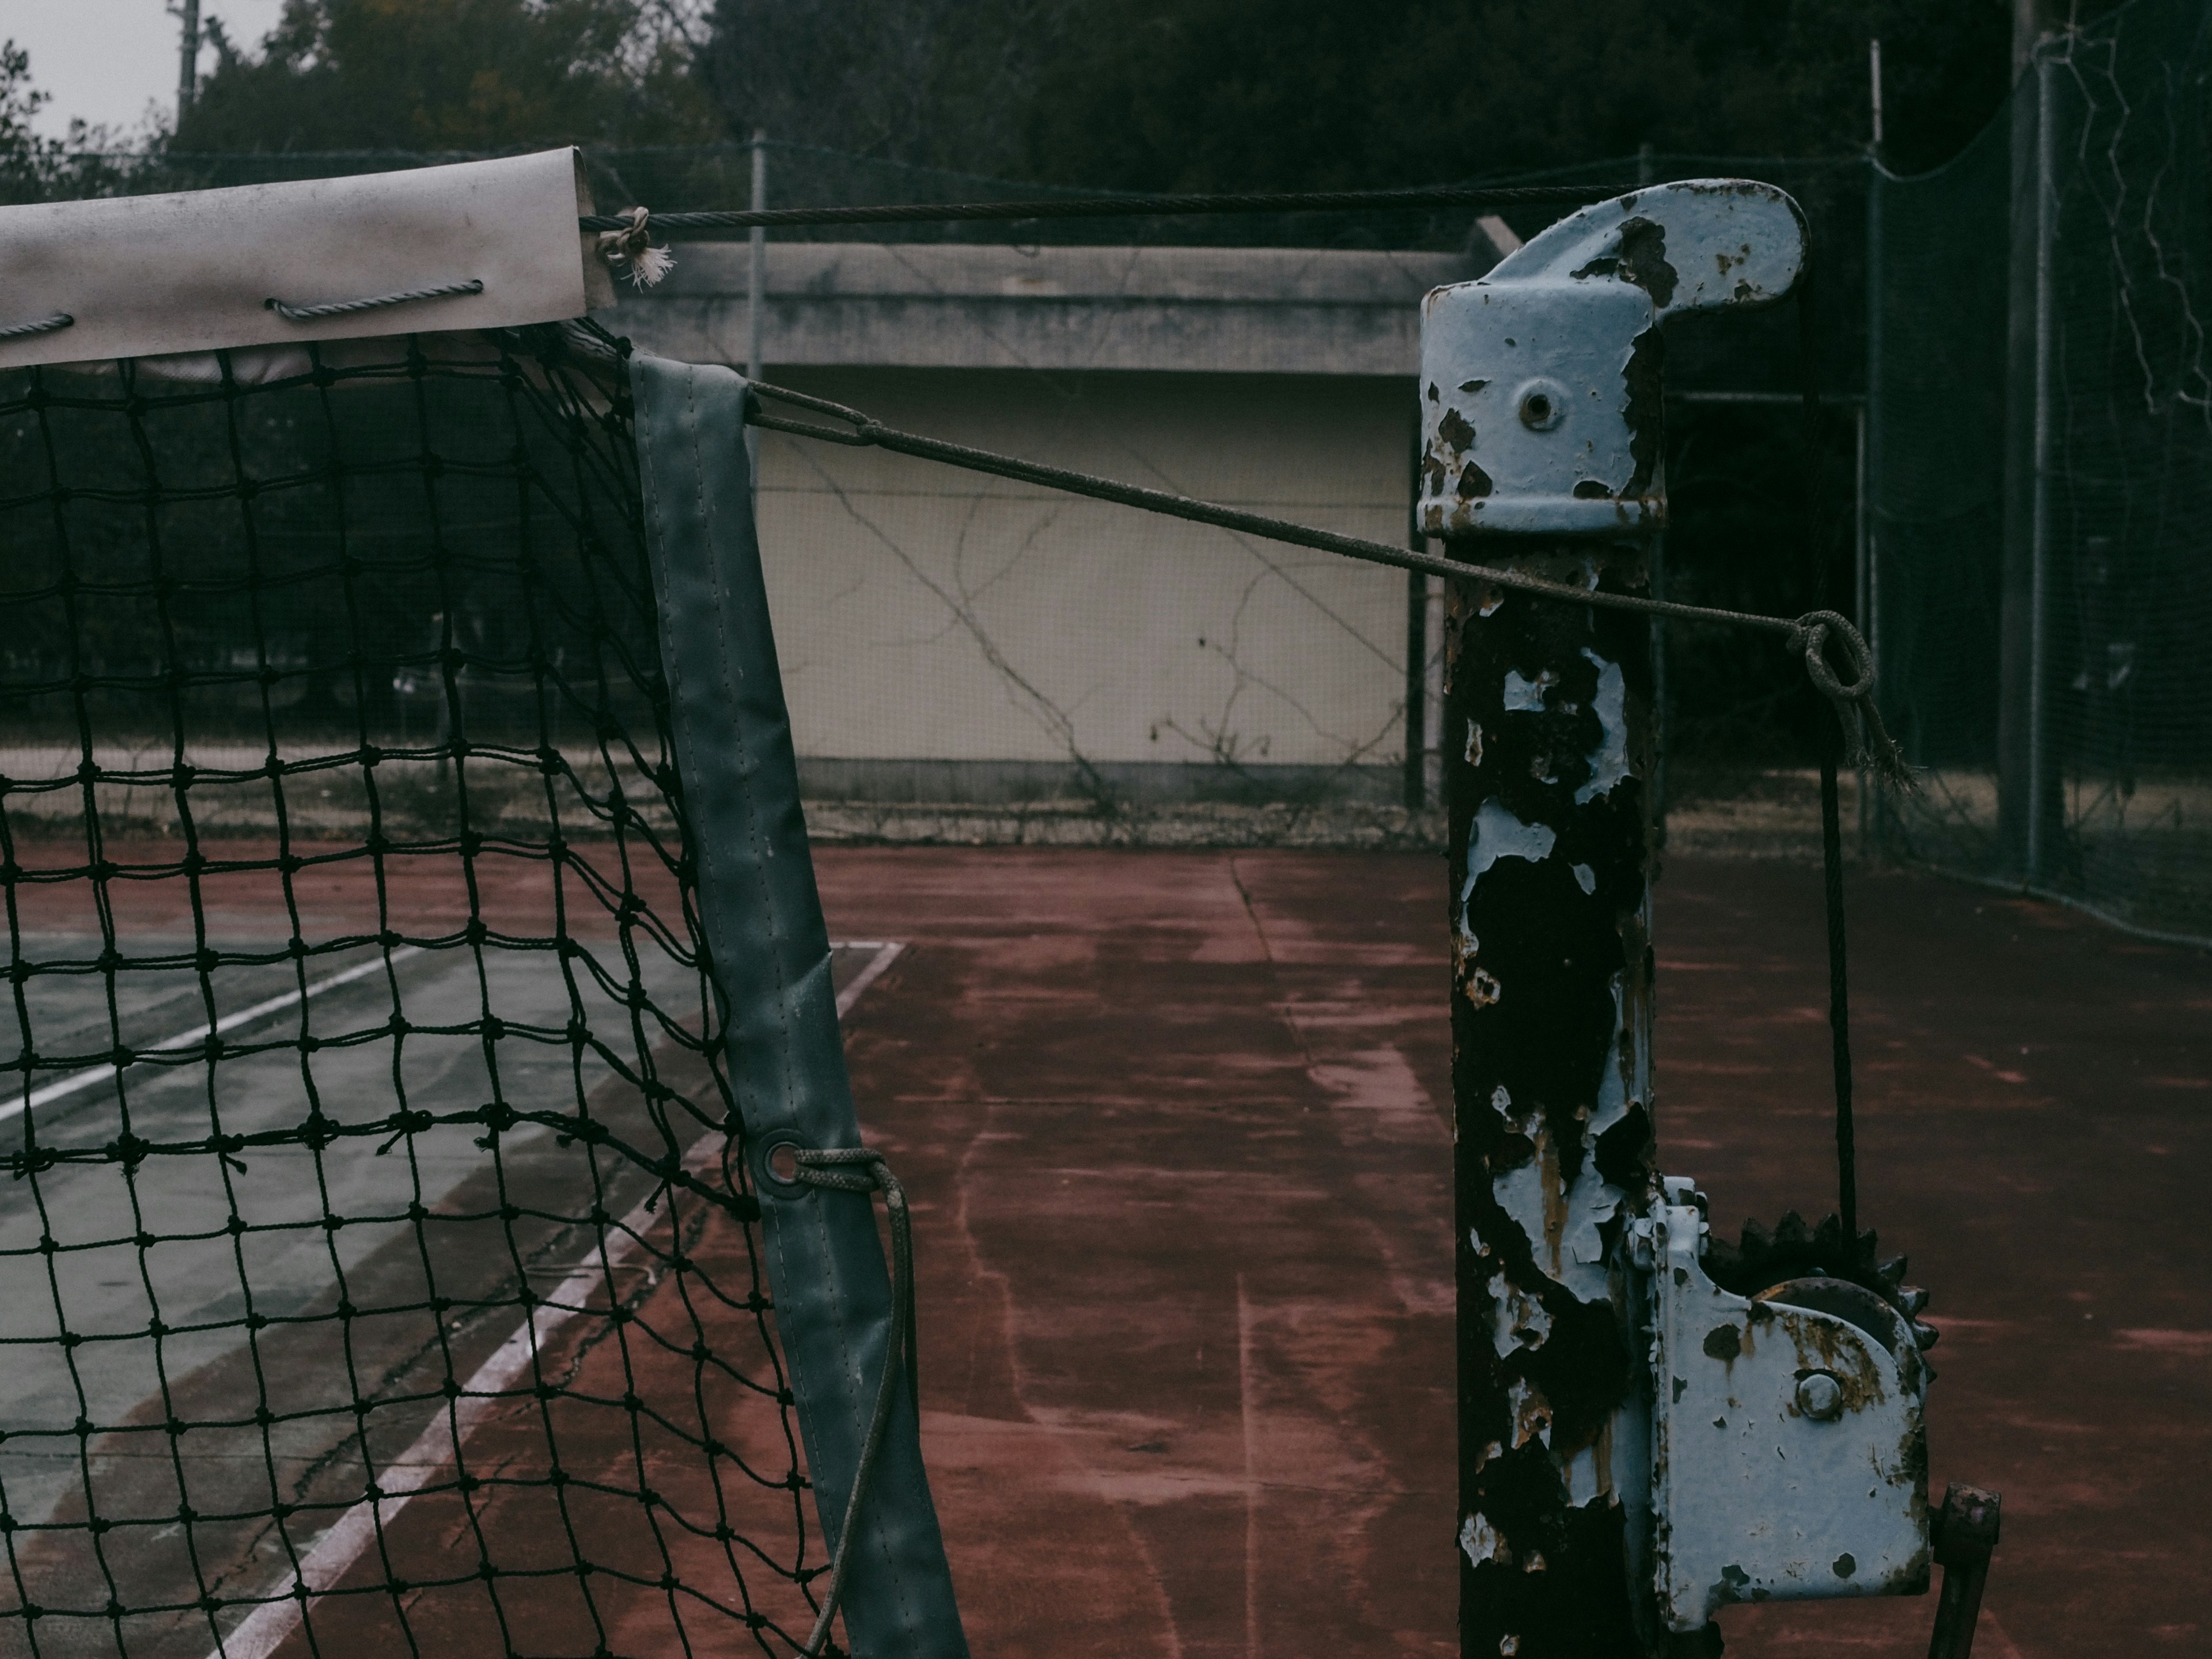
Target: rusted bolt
column 1820, row 1396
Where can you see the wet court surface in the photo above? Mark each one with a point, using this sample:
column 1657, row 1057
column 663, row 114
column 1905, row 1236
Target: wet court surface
column 1175, row 1125
column 1176, row 1129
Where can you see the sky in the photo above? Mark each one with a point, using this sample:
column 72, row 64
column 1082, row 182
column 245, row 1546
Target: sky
column 107, row 60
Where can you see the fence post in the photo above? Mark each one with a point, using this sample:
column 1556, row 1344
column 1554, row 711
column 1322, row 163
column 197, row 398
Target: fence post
column 1543, row 452
column 2026, row 780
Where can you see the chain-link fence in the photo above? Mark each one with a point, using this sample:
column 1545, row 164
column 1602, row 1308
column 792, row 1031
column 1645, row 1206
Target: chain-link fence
column 1023, row 678
column 2041, row 472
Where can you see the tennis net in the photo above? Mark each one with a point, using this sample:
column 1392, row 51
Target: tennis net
column 378, row 1274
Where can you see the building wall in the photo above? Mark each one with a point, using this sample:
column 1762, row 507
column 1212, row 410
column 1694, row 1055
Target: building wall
column 928, row 614
column 949, row 636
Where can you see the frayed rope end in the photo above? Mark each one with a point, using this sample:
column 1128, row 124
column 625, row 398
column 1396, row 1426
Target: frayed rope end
column 1869, row 746
column 629, row 253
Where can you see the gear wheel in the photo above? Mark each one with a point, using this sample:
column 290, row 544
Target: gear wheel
column 1763, row 1259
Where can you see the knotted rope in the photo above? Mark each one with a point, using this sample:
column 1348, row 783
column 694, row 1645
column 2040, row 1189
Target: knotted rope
column 629, row 249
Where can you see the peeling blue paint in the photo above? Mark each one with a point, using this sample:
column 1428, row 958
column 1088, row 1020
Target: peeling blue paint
column 1609, row 763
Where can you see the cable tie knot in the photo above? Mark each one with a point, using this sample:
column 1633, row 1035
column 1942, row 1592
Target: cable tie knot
column 1867, row 741
column 629, row 251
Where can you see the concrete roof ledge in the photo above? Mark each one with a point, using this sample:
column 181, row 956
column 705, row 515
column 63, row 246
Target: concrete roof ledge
column 1291, row 311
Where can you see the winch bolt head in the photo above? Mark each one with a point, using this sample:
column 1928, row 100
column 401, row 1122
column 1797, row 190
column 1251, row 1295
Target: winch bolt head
column 1820, row 1396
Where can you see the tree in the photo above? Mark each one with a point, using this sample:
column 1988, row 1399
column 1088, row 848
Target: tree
column 948, row 83
column 450, row 75
column 1214, row 95
column 36, row 169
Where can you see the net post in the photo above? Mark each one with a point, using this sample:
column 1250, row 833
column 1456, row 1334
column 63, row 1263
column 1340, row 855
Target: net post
column 1543, row 420
column 1551, row 1060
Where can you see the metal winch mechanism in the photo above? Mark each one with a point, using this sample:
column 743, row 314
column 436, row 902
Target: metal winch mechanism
column 1789, row 1455
column 1771, row 1445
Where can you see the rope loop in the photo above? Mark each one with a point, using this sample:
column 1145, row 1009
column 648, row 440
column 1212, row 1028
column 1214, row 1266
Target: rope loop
column 863, row 1170
column 1867, row 741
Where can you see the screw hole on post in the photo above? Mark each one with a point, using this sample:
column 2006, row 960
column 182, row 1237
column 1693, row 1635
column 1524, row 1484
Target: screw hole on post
column 1541, row 404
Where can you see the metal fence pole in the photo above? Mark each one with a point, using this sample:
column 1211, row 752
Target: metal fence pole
column 2016, row 737
column 2043, row 787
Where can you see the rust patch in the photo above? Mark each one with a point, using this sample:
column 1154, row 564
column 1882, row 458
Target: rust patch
column 1643, row 259
column 1473, row 483
column 1454, row 431
column 1724, row 1343
column 1591, row 489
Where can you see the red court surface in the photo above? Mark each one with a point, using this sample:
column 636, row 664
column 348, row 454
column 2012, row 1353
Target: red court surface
column 1175, row 1126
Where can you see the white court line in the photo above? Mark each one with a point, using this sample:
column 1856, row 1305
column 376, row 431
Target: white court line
column 93, row 1076
column 333, row 1554
column 887, row 953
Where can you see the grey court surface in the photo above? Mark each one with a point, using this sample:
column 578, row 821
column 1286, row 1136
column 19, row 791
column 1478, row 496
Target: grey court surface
column 150, row 1307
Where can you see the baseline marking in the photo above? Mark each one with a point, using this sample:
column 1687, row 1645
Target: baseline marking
column 887, row 953
column 97, row 1074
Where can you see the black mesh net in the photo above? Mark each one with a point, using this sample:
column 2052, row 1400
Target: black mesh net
column 375, row 1276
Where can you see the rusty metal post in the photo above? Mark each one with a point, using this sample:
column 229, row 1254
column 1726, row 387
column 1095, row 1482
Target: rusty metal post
column 1548, row 783
column 1542, row 401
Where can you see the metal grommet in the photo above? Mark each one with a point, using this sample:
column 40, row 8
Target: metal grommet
column 780, row 1174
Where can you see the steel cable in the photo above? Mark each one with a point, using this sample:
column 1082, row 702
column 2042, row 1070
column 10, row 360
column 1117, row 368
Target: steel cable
column 1110, row 206
column 1809, row 634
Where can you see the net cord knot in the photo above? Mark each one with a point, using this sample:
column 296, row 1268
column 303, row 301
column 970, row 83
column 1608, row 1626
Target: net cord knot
column 629, row 250
column 862, row 1169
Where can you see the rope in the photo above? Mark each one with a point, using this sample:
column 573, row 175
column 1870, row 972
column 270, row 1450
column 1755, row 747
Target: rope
column 1810, row 635
column 292, row 313
column 629, row 249
column 1831, row 824
column 859, row 1170
column 1110, row 206
column 60, row 319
